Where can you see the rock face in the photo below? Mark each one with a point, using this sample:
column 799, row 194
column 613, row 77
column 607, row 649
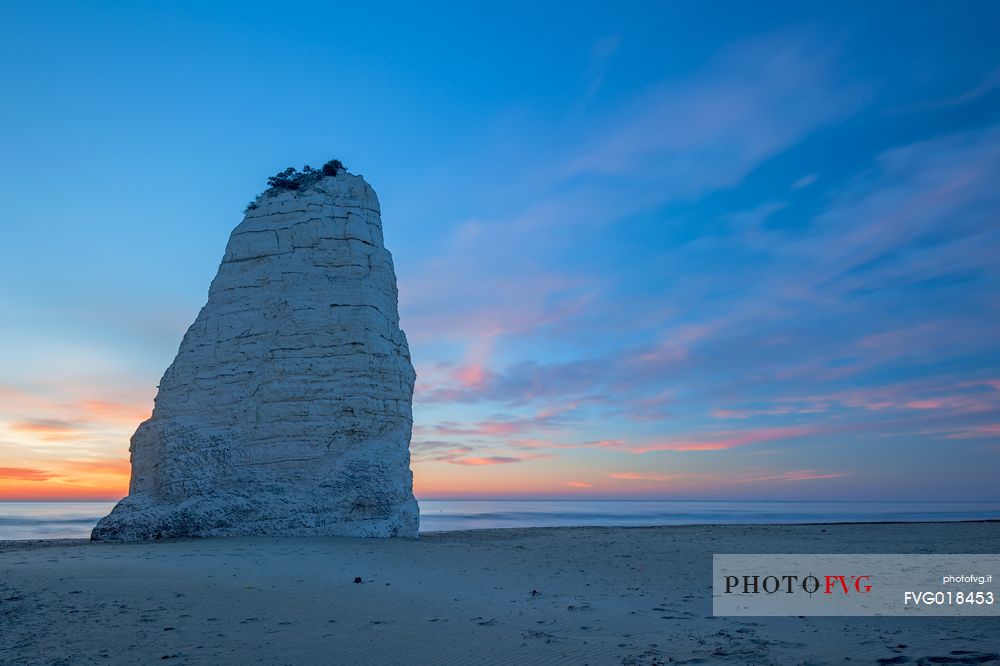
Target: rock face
column 288, row 409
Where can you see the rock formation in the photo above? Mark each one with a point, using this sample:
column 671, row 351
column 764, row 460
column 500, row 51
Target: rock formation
column 288, row 408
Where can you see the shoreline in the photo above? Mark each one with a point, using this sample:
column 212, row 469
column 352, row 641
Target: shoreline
column 46, row 543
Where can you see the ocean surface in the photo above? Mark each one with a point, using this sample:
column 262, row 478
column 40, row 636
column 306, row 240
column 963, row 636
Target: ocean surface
column 63, row 520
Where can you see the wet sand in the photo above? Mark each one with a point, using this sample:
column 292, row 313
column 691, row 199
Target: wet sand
column 512, row 596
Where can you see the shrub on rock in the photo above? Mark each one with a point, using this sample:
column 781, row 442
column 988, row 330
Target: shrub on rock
column 332, row 167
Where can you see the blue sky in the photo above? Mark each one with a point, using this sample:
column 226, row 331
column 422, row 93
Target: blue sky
column 646, row 250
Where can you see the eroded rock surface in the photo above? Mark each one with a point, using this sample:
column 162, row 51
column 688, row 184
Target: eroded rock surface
column 288, row 409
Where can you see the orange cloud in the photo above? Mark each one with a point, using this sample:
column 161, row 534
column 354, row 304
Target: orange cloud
column 70, row 492
column 67, row 480
column 31, row 421
column 24, row 474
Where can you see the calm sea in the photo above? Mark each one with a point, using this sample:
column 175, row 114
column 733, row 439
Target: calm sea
column 60, row 520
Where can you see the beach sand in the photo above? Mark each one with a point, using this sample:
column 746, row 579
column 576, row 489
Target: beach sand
column 512, row 596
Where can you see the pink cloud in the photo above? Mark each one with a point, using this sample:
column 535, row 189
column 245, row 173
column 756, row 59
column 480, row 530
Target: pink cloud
column 471, row 376
column 642, row 476
column 487, row 460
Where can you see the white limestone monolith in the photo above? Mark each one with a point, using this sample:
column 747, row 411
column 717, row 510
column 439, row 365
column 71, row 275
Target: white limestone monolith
column 288, row 408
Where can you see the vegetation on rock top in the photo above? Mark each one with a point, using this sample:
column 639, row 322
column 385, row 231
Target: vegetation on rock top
column 293, row 179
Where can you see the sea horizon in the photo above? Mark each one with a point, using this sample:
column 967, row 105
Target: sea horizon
column 53, row 519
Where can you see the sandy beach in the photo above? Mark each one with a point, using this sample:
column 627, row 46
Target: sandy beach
column 517, row 596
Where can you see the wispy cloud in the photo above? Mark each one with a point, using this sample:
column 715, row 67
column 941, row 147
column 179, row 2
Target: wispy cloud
column 711, row 129
column 799, row 475
column 989, row 83
column 805, row 181
column 47, row 428
column 991, row 430
column 725, row 440
column 601, row 54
